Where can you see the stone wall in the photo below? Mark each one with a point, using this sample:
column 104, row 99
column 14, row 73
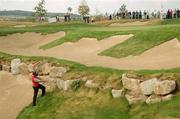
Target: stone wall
column 134, row 90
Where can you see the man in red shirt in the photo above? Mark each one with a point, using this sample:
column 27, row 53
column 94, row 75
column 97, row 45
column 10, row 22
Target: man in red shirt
column 36, row 86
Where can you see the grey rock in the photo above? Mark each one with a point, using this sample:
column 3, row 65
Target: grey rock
column 91, row 84
column 148, row 86
column 57, row 72
column 23, row 69
column 131, row 84
column 45, row 68
column 6, row 68
column 167, row 97
column 153, row 99
column 164, row 87
column 133, row 99
column 117, row 93
column 14, row 66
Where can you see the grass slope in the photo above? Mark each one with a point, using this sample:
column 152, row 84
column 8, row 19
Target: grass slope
column 93, row 104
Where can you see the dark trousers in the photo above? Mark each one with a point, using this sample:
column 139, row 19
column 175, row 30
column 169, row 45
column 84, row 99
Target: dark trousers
column 36, row 89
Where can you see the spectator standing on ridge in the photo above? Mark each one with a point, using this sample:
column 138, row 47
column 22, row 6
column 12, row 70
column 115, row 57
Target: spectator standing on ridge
column 36, row 86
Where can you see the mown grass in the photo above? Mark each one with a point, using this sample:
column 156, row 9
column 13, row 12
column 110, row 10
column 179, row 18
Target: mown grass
column 145, row 37
column 143, row 40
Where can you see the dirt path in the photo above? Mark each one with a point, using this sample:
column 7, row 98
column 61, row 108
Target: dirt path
column 164, row 56
column 15, row 94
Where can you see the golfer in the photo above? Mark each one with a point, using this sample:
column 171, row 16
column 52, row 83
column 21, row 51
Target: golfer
column 36, row 86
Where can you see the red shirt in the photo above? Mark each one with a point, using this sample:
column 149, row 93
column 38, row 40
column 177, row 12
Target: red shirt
column 34, row 83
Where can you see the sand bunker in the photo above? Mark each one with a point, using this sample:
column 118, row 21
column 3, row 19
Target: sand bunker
column 164, row 56
column 16, row 93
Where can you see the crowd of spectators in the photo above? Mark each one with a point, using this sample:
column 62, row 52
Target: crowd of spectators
column 169, row 14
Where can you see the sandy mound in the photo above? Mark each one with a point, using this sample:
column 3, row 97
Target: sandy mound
column 164, row 56
column 16, row 93
column 135, row 23
column 26, row 42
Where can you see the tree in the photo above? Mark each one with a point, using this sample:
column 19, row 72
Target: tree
column 83, row 8
column 69, row 9
column 40, row 10
column 123, row 10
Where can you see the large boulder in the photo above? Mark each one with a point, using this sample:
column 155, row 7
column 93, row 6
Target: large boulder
column 6, row 68
column 153, row 99
column 131, row 84
column 45, row 68
column 23, row 69
column 57, row 72
column 65, row 85
column 164, row 87
column 133, row 99
column 117, row 93
column 147, row 86
column 60, row 84
column 91, row 84
column 167, row 97
column 14, row 66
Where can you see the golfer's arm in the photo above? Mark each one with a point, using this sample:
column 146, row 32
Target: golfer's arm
column 37, row 80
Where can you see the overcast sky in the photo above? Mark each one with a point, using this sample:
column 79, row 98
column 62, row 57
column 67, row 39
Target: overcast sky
column 102, row 6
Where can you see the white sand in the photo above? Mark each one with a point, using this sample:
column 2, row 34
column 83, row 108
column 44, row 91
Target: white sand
column 16, row 93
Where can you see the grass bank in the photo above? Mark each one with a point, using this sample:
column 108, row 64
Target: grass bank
column 93, row 104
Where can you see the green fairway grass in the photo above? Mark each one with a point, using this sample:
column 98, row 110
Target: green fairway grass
column 145, row 37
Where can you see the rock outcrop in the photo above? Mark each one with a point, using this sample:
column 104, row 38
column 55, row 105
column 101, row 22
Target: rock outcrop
column 151, row 91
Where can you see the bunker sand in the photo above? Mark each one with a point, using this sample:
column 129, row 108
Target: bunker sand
column 16, row 93
column 86, row 50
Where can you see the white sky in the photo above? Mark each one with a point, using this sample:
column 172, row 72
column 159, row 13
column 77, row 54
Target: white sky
column 95, row 5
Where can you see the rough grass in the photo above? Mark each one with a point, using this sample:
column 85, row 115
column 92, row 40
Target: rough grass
column 92, row 104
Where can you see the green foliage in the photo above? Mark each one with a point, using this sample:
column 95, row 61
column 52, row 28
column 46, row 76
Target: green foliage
column 40, row 10
column 76, row 85
column 83, row 8
column 123, row 8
